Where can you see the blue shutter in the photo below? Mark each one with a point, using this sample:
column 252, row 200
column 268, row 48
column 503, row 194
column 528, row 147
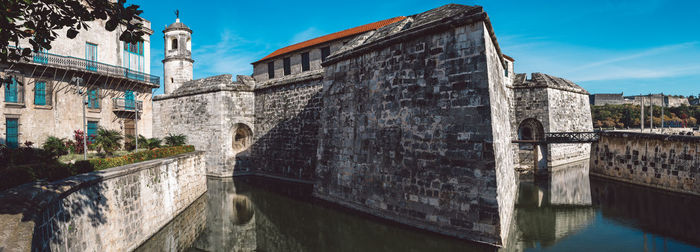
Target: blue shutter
column 40, row 93
column 91, row 56
column 94, row 98
column 129, row 101
column 91, row 131
column 11, row 91
column 12, row 132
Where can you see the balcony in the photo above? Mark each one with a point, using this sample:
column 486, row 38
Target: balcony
column 68, row 62
column 126, row 105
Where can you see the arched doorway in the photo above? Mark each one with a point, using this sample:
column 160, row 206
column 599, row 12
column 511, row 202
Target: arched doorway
column 242, row 137
column 532, row 155
column 530, row 129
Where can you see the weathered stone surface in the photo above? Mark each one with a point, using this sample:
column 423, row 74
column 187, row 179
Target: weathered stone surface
column 287, row 124
column 412, row 131
column 662, row 161
column 208, row 111
column 557, row 105
column 111, row 210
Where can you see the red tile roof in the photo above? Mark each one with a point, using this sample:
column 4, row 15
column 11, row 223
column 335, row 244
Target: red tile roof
column 331, row 37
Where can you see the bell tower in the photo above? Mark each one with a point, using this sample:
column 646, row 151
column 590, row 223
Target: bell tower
column 177, row 65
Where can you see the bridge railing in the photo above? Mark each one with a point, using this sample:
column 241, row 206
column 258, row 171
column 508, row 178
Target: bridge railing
column 564, row 137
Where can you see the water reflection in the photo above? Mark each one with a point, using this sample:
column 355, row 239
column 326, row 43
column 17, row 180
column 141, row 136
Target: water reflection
column 566, row 211
column 553, row 208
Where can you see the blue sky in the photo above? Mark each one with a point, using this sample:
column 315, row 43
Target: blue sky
column 644, row 46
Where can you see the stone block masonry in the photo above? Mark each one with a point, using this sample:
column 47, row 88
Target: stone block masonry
column 662, row 161
column 408, row 133
column 287, row 124
column 209, row 112
column 112, row 210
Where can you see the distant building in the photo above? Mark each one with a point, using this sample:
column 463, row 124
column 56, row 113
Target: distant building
column 656, row 99
column 40, row 96
column 604, row 99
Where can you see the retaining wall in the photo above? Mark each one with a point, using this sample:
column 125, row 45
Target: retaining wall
column 112, row 210
column 663, row 161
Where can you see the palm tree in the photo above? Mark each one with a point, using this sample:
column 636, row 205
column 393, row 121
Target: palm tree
column 175, row 140
column 150, row 143
column 107, row 140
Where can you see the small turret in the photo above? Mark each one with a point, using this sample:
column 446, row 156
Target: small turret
column 177, row 65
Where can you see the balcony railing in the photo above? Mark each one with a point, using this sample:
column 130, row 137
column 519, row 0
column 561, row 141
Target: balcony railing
column 121, row 104
column 50, row 59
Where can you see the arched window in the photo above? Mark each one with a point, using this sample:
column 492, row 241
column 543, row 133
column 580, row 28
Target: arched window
column 174, row 44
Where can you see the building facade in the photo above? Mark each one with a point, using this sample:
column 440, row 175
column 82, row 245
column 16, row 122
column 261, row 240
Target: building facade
column 411, row 119
column 655, row 99
column 42, row 95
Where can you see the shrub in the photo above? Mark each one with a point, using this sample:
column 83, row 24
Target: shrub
column 83, row 166
column 175, row 140
column 55, row 146
column 78, row 143
column 107, row 140
column 104, row 163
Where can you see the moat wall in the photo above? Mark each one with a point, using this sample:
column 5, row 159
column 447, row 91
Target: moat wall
column 112, row 210
column 208, row 111
column 286, row 129
column 662, row 161
column 413, row 132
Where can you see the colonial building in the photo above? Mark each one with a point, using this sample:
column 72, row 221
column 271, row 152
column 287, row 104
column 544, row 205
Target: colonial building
column 43, row 95
column 411, row 119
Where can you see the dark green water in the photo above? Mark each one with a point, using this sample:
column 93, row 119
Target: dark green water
column 567, row 212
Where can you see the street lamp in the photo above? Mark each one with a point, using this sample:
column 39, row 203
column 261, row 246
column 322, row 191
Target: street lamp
column 78, row 81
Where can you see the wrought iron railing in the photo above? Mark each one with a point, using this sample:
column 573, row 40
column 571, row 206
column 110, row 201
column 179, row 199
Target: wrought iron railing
column 70, row 62
column 121, row 104
column 564, row 137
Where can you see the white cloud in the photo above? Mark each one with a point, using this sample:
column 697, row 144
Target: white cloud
column 230, row 55
column 305, row 35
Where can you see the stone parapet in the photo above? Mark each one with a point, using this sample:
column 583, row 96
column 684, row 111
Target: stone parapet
column 667, row 162
column 111, row 210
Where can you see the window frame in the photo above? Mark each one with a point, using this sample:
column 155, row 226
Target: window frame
column 287, row 65
column 91, row 137
column 271, row 69
column 93, row 95
column 325, row 52
column 15, row 125
column 305, row 62
column 40, row 93
column 12, row 87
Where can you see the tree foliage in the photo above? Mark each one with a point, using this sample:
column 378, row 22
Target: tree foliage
column 628, row 115
column 39, row 21
column 175, row 140
column 108, row 140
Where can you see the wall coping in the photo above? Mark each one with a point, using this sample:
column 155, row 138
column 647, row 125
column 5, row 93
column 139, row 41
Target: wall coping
column 34, row 196
column 664, row 137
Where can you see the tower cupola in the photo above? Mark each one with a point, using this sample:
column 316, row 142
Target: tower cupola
column 177, row 65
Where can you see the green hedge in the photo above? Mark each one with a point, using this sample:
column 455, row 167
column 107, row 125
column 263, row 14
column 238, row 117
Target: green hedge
column 19, row 166
column 104, row 163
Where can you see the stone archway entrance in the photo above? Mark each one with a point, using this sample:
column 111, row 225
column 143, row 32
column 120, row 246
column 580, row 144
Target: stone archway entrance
column 533, row 156
column 242, row 137
column 531, row 129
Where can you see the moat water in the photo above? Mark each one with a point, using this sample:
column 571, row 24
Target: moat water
column 569, row 211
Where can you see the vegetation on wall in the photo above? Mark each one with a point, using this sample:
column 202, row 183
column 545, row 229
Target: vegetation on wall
column 628, row 115
column 27, row 164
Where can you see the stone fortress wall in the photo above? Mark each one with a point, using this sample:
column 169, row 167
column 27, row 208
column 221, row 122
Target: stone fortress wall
column 544, row 103
column 403, row 120
column 116, row 209
column 210, row 112
column 662, row 161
